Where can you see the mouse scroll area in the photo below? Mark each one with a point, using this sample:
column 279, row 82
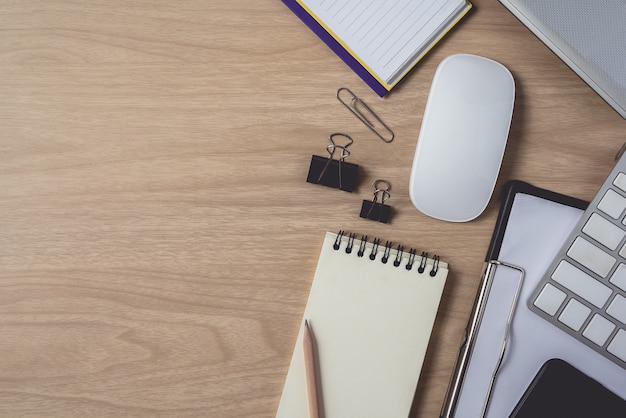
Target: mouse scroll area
column 462, row 138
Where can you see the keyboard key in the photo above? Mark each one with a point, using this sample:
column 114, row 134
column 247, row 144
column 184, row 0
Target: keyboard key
column 603, row 231
column 582, row 284
column 550, row 299
column 622, row 252
column 574, row 314
column 590, row 256
column 584, row 293
column 619, row 277
column 598, row 330
column 613, row 204
column 617, row 347
column 620, row 181
column 617, row 309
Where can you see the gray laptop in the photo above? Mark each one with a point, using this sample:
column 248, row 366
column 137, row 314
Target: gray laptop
column 588, row 35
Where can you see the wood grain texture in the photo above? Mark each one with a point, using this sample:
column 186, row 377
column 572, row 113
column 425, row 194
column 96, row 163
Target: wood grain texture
column 157, row 237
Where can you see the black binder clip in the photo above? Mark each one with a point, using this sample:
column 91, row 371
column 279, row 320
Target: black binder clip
column 377, row 210
column 337, row 174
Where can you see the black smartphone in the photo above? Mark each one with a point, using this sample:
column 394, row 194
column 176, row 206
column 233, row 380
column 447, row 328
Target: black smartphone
column 561, row 390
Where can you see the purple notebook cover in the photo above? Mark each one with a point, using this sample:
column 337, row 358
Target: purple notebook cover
column 336, row 47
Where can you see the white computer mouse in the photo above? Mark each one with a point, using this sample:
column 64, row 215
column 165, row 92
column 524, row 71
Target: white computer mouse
column 462, row 139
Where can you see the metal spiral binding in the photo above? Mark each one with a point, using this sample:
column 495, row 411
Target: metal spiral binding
column 362, row 246
column 387, row 252
column 409, row 264
column 337, row 243
column 376, row 242
column 422, row 266
column 375, row 249
column 350, row 243
column 433, row 271
column 399, row 253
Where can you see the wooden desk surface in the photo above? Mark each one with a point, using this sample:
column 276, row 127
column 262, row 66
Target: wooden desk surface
column 157, row 235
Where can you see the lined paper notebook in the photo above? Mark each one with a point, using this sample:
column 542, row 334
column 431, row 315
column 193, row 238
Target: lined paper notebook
column 371, row 321
column 380, row 40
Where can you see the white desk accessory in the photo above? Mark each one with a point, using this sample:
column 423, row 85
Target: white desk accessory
column 462, row 138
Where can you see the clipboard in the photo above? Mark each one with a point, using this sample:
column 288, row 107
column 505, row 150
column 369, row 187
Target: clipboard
column 505, row 343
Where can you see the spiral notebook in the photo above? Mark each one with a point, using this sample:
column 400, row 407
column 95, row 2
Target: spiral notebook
column 372, row 306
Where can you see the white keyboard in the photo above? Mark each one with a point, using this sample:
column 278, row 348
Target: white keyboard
column 584, row 290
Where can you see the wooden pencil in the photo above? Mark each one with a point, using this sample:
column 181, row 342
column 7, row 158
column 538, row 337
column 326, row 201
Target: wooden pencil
column 310, row 365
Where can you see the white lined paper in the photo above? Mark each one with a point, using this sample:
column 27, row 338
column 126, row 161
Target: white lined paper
column 387, row 36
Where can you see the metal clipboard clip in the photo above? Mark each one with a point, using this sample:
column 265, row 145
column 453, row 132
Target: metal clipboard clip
column 471, row 334
column 364, row 114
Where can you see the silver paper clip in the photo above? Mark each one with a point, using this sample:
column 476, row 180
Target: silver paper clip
column 365, row 114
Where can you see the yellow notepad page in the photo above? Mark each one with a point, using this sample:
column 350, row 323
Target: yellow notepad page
column 371, row 322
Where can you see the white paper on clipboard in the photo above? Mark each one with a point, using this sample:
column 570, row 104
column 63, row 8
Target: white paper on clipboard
column 535, row 231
